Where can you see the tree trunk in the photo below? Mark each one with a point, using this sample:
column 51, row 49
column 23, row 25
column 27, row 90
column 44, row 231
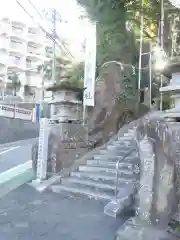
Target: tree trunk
column 114, row 42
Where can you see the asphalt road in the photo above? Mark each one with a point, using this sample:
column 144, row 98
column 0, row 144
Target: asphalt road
column 15, row 153
column 26, row 214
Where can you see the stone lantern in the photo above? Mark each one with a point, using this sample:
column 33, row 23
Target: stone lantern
column 66, row 103
column 66, row 129
column 172, row 71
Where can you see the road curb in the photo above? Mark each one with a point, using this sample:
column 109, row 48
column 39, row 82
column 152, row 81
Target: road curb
column 15, row 177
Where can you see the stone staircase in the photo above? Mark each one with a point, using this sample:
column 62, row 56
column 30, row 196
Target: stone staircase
column 97, row 178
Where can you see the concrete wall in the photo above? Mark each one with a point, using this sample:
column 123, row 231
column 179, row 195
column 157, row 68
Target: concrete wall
column 16, row 129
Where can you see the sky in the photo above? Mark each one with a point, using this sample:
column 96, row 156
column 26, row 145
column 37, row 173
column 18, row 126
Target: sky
column 74, row 31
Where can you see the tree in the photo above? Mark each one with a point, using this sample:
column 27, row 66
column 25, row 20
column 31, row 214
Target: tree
column 61, row 69
column 114, row 42
column 111, row 16
column 76, row 74
column 15, row 83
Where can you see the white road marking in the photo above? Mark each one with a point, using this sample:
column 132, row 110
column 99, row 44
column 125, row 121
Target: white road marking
column 7, row 150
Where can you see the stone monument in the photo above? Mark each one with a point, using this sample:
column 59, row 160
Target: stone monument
column 67, row 135
column 172, row 71
column 66, row 123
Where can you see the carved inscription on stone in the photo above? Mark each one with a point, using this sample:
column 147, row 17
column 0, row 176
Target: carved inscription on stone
column 146, row 178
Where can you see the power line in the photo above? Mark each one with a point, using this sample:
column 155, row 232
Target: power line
column 51, row 30
column 49, row 35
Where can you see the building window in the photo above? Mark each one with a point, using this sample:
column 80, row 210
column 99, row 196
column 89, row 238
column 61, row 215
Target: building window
column 17, row 29
column 28, row 62
column 31, row 31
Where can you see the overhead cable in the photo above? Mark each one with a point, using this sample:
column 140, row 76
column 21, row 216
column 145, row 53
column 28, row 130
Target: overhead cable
column 57, row 41
column 51, row 31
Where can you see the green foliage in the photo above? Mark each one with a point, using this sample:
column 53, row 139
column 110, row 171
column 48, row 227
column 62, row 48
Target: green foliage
column 111, row 17
column 61, row 67
column 114, row 43
column 76, row 74
column 73, row 78
column 72, row 84
column 128, row 92
column 178, row 228
column 15, row 83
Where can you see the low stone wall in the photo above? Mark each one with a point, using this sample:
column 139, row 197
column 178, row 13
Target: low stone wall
column 16, row 129
column 157, row 211
column 157, row 171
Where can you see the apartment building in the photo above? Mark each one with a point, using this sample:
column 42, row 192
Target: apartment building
column 22, row 49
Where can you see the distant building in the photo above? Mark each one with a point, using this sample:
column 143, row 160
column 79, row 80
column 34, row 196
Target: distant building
column 22, row 49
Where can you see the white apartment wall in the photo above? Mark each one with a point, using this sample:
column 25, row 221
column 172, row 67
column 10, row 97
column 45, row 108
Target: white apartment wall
column 21, row 47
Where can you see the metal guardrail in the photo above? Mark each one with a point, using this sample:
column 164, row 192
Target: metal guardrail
column 117, row 169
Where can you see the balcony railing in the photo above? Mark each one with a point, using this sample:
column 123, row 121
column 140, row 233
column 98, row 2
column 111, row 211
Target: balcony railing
column 4, row 29
column 32, row 37
column 3, row 44
column 2, row 71
column 18, row 33
column 17, row 47
column 3, row 59
column 16, row 62
column 34, row 80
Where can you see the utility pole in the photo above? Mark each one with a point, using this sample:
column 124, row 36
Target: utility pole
column 150, row 75
column 54, row 14
column 140, row 51
column 161, row 41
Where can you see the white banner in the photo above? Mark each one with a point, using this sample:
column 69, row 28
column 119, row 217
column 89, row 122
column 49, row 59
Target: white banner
column 90, row 67
column 13, row 112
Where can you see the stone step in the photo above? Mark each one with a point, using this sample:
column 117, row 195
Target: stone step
column 120, row 142
column 112, row 147
column 129, row 135
column 117, row 152
column 126, row 138
column 132, row 129
column 104, row 177
column 124, row 172
column 130, row 158
column 89, row 183
column 117, row 147
column 73, row 189
column 110, row 164
column 101, row 163
column 96, row 168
